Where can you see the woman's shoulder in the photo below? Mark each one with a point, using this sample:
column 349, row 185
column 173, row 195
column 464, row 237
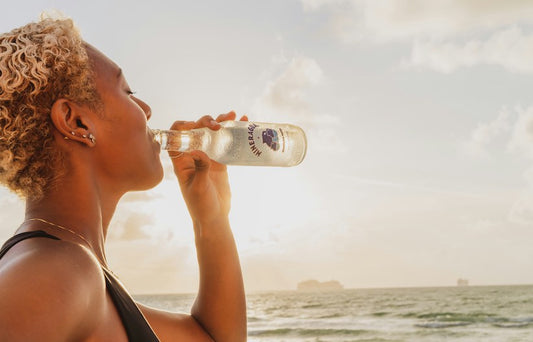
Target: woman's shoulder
column 50, row 258
column 44, row 282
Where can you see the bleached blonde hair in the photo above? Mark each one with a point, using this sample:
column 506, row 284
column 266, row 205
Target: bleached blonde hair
column 39, row 63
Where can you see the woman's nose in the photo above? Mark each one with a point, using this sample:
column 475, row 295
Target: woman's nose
column 145, row 107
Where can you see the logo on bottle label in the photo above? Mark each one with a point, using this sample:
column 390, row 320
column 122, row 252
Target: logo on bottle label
column 269, row 137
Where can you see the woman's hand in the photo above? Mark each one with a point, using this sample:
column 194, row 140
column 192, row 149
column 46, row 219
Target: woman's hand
column 220, row 307
column 204, row 183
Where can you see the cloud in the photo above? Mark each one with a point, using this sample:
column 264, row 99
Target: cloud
column 510, row 48
column 446, row 34
column 510, row 130
column 383, row 20
column 521, row 140
column 12, row 213
column 287, row 93
column 132, row 227
column 156, row 266
column 513, row 133
column 522, row 210
column 485, row 133
column 401, row 219
column 140, row 196
column 286, row 98
column 521, row 143
column 313, row 5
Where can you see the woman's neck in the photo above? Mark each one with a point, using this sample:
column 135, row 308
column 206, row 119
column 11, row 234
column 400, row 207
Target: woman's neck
column 79, row 207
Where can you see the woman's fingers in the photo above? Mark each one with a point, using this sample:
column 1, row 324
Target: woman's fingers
column 202, row 164
column 225, row 117
column 204, row 121
column 207, row 121
column 193, row 166
column 183, row 125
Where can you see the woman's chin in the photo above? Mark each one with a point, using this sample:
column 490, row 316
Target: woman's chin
column 155, row 177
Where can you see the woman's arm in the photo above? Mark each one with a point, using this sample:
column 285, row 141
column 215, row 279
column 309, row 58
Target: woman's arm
column 220, row 307
column 171, row 326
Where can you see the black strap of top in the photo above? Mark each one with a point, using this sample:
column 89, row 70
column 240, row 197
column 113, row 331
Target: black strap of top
column 21, row 237
column 136, row 326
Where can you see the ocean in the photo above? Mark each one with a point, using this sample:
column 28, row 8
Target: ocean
column 471, row 313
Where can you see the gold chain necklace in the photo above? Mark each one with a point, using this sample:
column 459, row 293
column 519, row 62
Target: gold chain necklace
column 60, row 227
column 74, row 233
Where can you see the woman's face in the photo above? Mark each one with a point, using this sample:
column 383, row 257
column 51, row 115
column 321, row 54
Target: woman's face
column 128, row 156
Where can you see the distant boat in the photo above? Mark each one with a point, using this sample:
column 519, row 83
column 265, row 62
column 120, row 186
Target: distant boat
column 462, row 282
column 313, row 285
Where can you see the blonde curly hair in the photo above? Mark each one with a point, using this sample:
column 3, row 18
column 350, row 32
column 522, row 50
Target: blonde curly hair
column 39, row 63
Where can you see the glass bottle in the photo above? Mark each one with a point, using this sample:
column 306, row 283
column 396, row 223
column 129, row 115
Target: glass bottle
column 241, row 143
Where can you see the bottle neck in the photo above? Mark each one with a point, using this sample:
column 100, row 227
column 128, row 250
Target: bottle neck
column 170, row 140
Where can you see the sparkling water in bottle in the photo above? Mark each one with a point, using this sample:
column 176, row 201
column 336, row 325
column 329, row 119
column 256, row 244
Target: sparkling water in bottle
column 241, row 143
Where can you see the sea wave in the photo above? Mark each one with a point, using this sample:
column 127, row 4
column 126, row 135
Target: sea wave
column 307, row 332
column 252, row 319
column 441, row 324
column 456, row 319
column 333, row 315
column 512, row 325
column 517, row 322
column 471, row 317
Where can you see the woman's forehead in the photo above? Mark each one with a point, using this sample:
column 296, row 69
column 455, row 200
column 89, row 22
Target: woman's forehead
column 102, row 65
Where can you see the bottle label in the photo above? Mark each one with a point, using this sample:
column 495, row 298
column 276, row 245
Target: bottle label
column 260, row 139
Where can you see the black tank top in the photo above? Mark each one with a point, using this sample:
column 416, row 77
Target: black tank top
column 133, row 320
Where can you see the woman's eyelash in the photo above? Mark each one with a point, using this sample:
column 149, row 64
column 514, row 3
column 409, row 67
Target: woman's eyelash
column 131, row 92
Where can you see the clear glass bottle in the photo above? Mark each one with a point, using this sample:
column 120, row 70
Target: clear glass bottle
column 241, row 143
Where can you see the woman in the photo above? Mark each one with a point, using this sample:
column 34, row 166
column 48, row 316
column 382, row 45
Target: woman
column 63, row 107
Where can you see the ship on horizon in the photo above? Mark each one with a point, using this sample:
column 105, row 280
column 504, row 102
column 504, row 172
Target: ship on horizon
column 314, row 285
column 462, row 282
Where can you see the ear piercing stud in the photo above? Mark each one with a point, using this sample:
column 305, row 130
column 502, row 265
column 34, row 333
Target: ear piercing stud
column 85, row 136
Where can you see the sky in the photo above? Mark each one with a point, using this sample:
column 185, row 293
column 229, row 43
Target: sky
column 419, row 119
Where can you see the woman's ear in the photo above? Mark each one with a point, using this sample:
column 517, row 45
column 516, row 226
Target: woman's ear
column 72, row 121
